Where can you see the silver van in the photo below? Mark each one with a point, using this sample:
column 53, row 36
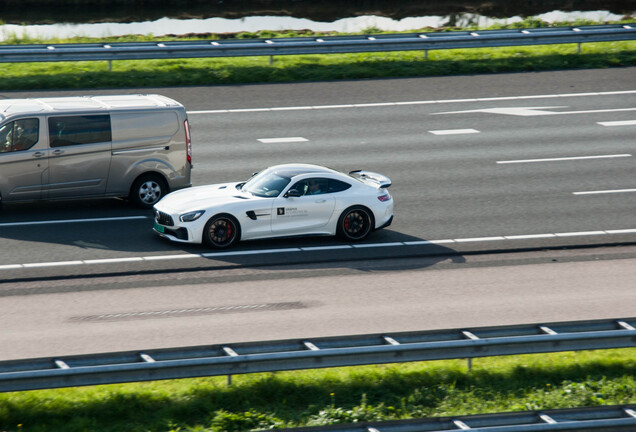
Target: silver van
column 135, row 146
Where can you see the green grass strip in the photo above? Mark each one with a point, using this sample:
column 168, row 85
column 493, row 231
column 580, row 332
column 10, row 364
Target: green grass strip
column 299, row 68
column 330, row 396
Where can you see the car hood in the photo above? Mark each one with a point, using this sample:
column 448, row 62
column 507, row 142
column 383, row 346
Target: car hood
column 202, row 198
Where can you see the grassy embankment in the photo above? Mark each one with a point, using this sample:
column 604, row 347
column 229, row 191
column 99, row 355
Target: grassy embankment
column 342, row 395
column 179, row 72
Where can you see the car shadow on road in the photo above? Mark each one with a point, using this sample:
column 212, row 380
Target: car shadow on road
column 72, row 230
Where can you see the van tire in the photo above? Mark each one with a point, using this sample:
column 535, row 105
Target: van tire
column 147, row 190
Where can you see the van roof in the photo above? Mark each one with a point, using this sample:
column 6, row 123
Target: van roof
column 10, row 107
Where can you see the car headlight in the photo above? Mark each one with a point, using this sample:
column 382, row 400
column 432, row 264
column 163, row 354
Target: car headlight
column 191, row 216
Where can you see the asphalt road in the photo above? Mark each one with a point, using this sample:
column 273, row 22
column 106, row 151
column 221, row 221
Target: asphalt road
column 494, row 162
column 515, row 201
column 123, row 313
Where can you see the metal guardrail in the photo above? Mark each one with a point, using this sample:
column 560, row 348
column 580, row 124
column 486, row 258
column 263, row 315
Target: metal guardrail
column 315, row 45
column 605, row 418
column 269, row 356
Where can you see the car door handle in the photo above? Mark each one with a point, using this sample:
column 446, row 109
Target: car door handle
column 58, row 152
column 38, row 154
column 321, row 200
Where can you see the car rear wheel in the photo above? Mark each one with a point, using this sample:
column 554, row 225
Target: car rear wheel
column 222, row 231
column 355, row 223
column 148, row 190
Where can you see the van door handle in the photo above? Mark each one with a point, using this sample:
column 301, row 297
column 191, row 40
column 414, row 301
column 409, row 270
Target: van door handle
column 38, row 154
column 58, row 152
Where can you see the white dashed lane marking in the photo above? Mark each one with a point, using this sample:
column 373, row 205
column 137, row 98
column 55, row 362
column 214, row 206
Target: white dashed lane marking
column 600, row 192
column 563, row 159
column 618, row 123
column 454, row 132
column 282, row 140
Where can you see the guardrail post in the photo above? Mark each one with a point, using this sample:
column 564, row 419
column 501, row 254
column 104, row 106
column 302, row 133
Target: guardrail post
column 271, row 60
column 578, row 50
column 425, row 54
column 110, row 65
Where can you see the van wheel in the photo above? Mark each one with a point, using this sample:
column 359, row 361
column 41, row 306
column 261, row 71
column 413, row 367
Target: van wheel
column 148, row 190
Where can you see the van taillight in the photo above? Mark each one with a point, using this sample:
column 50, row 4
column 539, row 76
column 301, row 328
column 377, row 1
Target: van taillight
column 186, row 126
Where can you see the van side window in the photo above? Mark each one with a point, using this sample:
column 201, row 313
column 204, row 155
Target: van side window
column 76, row 130
column 19, row 135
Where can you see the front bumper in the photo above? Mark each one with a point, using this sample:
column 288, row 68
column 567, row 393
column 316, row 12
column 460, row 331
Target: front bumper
column 176, row 234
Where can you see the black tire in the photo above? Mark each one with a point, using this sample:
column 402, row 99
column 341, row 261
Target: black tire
column 221, row 232
column 147, row 190
column 355, row 223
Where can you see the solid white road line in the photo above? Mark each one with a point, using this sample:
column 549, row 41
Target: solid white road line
column 65, row 221
column 315, row 248
column 618, row 123
column 615, row 191
column 564, row 159
column 424, row 102
column 282, row 140
column 454, row 132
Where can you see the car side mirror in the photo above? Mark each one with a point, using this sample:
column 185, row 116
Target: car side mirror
column 292, row 193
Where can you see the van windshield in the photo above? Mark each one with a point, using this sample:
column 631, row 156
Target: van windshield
column 267, row 184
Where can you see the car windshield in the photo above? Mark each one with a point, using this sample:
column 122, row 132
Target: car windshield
column 266, row 184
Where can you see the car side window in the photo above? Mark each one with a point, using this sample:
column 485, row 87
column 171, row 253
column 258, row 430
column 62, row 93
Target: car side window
column 19, row 135
column 337, row 186
column 312, row 186
column 77, row 130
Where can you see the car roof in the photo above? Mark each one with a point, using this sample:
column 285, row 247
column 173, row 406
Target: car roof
column 293, row 170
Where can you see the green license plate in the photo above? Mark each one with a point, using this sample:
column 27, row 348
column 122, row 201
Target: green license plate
column 159, row 228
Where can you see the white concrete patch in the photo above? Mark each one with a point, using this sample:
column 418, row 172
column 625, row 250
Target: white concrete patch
column 562, row 159
column 282, row 140
column 454, row 132
column 618, row 123
column 314, row 248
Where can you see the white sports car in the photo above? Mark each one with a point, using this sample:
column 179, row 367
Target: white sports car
column 283, row 200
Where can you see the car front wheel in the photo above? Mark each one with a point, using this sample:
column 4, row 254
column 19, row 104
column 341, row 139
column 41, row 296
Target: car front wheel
column 355, row 223
column 222, row 231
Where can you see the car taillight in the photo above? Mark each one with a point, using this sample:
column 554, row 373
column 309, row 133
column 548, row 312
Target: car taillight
column 384, row 197
column 186, row 126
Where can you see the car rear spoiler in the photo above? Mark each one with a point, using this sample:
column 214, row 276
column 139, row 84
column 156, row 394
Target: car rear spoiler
column 369, row 177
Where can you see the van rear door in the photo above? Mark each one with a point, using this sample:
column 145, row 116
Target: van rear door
column 80, row 155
